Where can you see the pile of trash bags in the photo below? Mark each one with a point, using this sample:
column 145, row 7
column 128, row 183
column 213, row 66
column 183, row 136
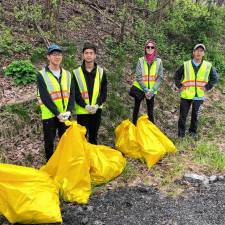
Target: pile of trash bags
column 76, row 164
column 31, row 196
column 145, row 140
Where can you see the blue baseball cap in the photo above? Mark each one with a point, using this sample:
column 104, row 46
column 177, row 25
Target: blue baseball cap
column 54, row 47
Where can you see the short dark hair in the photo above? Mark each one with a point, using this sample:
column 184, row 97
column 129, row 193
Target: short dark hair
column 89, row 45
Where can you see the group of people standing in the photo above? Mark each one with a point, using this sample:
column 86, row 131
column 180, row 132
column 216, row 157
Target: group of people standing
column 84, row 91
column 192, row 79
column 61, row 92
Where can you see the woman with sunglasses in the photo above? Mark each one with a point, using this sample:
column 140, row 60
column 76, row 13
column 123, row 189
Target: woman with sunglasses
column 149, row 73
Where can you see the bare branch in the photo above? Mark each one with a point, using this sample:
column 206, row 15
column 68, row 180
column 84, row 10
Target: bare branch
column 97, row 8
column 40, row 31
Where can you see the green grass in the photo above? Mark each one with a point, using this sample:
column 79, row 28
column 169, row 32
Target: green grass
column 130, row 171
column 2, row 156
column 17, row 123
column 20, row 110
column 209, row 154
column 186, row 144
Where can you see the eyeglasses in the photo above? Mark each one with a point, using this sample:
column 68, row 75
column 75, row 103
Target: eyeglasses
column 56, row 54
column 150, row 47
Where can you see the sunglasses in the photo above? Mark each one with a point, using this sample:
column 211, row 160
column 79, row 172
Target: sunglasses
column 150, row 47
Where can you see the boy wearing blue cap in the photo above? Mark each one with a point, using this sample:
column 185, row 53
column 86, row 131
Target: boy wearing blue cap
column 56, row 96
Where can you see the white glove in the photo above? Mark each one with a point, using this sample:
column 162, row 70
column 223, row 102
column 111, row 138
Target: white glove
column 149, row 94
column 175, row 88
column 95, row 108
column 67, row 115
column 61, row 117
column 88, row 108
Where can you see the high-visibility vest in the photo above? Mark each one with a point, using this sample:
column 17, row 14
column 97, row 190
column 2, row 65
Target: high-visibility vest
column 80, row 78
column 193, row 85
column 59, row 92
column 149, row 76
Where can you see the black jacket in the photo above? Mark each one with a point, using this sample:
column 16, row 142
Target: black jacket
column 90, row 78
column 179, row 76
column 46, row 98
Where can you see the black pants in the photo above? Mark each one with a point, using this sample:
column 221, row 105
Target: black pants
column 150, row 108
column 50, row 126
column 92, row 123
column 185, row 105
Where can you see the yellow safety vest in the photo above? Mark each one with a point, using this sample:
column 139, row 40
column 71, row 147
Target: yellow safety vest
column 80, row 78
column 148, row 76
column 193, row 85
column 59, row 92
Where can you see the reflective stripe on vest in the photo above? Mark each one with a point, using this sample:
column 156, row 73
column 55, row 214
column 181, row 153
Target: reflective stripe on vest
column 80, row 78
column 193, row 85
column 148, row 76
column 59, row 95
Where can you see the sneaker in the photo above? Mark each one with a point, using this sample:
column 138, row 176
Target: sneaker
column 193, row 135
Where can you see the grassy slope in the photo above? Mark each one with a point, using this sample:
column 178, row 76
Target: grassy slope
column 22, row 135
column 21, row 131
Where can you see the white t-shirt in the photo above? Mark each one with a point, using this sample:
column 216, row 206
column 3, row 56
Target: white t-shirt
column 56, row 73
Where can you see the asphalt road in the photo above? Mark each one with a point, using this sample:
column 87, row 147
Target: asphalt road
column 204, row 205
column 147, row 206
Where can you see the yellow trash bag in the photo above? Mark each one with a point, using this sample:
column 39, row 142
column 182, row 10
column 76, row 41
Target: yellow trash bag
column 165, row 141
column 28, row 196
column 154, row 144
column 106, row 163
column 69, row 165
column 126, row 139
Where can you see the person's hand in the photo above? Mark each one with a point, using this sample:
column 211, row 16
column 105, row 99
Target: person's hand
column 67, row 115
column 175, row 88
column 149, row 95
column 95, row 108
column 61, row 117
column 203, row 88
column 88, row 108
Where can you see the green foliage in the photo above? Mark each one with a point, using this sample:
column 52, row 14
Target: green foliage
column 189, row 24
column 151, row 4
column 130, row 171
column 12, row 121
column 69, row 56
column 21, row 46
column 28, row 12
column 117, row 51
column 183, row 24
column 22, row 111
column 6, row 39
column 118, row 60
column 75, row 22
column 22, row 71
column 140, row 2
column 38, row 54
column 9, row 45
column 209, row 154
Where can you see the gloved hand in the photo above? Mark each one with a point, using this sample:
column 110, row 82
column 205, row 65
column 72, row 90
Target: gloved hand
column 175, row 88
column 94, row 108
column 67, row 115
column 149, row 95
column 89, row 108
column 204, row 88
column 61, row 117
